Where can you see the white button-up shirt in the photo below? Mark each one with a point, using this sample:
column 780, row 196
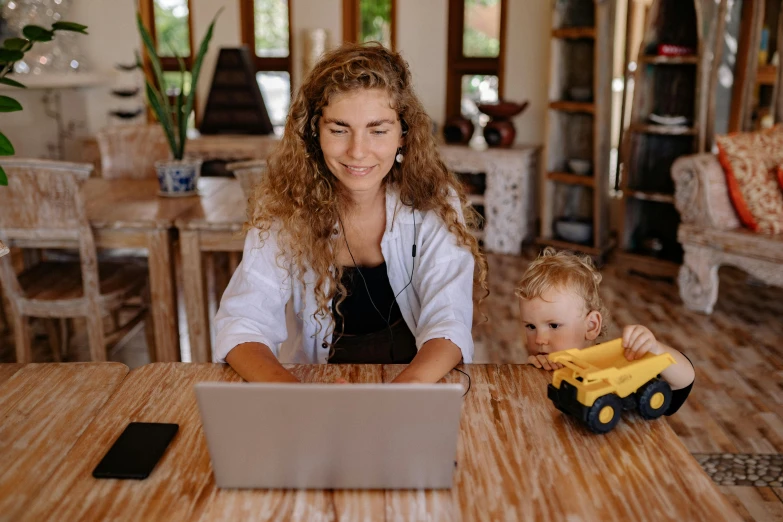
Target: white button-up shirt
column 264, row 304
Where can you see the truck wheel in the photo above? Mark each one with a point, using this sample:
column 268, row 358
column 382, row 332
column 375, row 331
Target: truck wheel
column 654, row 398
column 604, row 414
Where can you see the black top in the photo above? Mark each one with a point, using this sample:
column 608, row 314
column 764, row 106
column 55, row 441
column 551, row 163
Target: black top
column 679, row 396
column 358, row 311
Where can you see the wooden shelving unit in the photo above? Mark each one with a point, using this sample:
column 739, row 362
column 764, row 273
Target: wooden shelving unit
column 578, row 126
column 757, row 97
column 664, row 86
column 767, row 75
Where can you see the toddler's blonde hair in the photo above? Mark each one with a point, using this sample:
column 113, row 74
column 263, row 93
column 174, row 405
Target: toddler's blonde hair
column 564, row 270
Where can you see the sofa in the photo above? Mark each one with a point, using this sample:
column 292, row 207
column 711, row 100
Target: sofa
column 731, row 209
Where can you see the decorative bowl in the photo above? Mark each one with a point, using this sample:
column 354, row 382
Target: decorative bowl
column 574, row 231
column 664, row 119
column 502, row 110
column 580, row 166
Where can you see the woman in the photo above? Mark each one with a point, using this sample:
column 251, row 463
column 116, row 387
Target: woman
column 358, row 229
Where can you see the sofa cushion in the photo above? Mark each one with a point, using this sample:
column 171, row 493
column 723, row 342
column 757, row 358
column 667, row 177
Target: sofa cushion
column 750, row 161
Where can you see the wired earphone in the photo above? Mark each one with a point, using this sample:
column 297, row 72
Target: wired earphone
column 387, row 317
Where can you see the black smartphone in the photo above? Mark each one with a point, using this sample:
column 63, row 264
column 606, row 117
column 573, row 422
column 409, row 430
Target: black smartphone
column 136, row 451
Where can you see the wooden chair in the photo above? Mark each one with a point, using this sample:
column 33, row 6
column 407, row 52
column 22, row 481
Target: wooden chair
column 130, row 151
column 248, row 173
column 42, row 207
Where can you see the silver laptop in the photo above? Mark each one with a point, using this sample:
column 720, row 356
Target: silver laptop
column 331, row 436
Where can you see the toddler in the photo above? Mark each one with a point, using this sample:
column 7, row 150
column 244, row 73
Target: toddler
column 560, row 309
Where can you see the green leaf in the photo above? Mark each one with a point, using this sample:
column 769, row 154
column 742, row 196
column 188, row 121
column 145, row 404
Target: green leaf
column 3, row 178
column 36, row 33
column 15, row 44
column 70, row 26
column 6, row 148
column 164, row 117
column 8, row 104
column 182, row 120
column 202, row 51
column 12, row 83
column 10, row 55
column 156, row 68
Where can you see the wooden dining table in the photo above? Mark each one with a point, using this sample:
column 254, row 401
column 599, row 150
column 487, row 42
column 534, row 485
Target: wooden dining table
column 215, row 225
column 44, row 409
column 518, row 459
column 130, row 214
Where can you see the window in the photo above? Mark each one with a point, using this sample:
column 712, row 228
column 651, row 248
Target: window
column 369, row 20
column 266, row 29
column 475, row 55
column 169, row 23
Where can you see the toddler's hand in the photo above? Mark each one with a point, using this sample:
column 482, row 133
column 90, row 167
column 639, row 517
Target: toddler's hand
column 638, row 340
column 541, row 361
column 340, row 380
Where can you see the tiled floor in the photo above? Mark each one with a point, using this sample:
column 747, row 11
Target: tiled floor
column 733, row 420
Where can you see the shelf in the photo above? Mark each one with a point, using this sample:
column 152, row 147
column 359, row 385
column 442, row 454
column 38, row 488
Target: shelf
column 658, row 197
column 663, row 130
column 670, row 60
column 767, row 75
column 574, row 32
column 648, row 265
column 581, row 247
column 56, row 80
column 572, row 106
column 561, row 244
column 571, row 179
column 476, row 199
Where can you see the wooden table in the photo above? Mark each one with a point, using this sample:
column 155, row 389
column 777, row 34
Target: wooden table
column 44, row 409
column 518, row 459
column 131, row 214
column 213, row 226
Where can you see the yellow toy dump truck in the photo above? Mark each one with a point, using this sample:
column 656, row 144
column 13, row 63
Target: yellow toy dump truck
column 596, row 384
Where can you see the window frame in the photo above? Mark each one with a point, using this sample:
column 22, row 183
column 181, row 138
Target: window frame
column 351, row 22
column 459, row 65
column 247, row 22
column 168, row 63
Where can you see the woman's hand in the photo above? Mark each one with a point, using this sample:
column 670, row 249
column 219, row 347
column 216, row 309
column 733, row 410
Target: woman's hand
column 542, row 361
column 436, row 358
column 255, row 362
column 638, row 340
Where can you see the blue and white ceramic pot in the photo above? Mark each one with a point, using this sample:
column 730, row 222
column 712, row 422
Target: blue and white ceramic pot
column 178, row 177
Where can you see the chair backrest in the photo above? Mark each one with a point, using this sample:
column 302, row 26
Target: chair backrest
column 42, row 207
column 130, row 151
column 249, row 174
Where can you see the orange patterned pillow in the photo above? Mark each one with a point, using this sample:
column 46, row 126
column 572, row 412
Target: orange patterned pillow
column 780, row 176
column 750, row 161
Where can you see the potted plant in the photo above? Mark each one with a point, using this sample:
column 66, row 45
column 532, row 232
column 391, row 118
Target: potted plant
column 11, row 51
column 178, row 176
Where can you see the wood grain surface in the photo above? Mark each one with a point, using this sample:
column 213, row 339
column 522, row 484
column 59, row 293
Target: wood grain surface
column 519, row 459
column 44, row 409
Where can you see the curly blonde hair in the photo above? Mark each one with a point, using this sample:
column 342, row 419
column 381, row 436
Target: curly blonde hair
column 304, row 199
column 564, row 270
